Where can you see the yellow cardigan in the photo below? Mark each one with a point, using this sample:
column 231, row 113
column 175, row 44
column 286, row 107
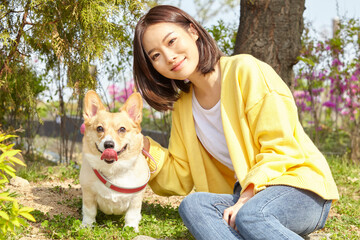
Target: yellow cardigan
column 266, row 142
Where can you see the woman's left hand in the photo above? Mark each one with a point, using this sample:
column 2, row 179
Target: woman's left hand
column 230, row 213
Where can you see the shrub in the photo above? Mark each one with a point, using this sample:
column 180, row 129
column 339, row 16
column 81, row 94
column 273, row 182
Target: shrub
column 10, row 212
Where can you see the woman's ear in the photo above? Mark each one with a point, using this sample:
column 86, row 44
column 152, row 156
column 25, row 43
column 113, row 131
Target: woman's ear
column 194, row 34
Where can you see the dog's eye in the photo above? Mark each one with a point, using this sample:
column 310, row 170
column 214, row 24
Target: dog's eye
column 100, row 129
column 122, row 130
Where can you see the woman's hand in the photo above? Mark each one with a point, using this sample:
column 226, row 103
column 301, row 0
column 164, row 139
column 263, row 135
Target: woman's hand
column 231, row 212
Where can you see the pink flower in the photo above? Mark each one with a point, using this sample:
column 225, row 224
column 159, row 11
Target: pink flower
column 317, row 91
column 127, row 91
column 300, row 94
column 82, row 128
column 329, row 104
column 336, row 62
column 354, row 78
column 113, row 89
column 344, row 112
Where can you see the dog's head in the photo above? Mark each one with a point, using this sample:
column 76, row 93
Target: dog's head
column 110, row 137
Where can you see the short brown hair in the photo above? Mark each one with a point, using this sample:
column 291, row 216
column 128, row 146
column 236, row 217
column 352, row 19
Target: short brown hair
column 161, row 92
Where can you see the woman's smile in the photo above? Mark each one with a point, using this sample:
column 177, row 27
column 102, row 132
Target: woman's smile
column 178, row 66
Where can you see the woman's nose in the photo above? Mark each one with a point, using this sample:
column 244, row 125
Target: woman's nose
column 171, row 57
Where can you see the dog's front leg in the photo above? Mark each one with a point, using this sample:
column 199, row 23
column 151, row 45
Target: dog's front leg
column 89, row 208
column 133, row 214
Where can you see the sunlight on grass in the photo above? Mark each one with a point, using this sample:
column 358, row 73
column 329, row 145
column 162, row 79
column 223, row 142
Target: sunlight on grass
column 344, row 220
column 157, row 221
column 163, row 221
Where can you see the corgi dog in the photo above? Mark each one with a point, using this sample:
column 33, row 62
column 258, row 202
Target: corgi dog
column 114, row 172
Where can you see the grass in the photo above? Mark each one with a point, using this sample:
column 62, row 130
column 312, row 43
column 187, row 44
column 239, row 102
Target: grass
column 157, row 221
column 163, row 221
column 39, row 169
column 345, row 220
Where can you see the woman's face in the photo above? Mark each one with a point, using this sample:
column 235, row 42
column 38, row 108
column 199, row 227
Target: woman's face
column 172, row 50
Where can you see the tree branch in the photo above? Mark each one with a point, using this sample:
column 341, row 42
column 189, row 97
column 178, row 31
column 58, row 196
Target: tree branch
column 23, row 54
column 17, row 39
column 10, row 11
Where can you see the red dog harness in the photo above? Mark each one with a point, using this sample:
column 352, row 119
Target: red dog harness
column 108, row 184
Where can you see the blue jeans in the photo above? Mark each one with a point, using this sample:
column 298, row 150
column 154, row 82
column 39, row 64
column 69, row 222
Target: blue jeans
column 278, row 212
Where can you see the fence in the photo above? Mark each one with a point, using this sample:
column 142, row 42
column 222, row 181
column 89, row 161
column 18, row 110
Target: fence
column 52, row 129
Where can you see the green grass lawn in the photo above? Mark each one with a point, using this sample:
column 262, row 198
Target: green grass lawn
column 157, row 221
column 163, row 221
column 344, row 220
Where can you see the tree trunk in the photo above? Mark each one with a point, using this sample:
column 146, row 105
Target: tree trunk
column 271, row 30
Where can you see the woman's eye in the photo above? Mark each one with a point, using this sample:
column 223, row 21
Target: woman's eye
column 122, row 130
column 155, row 56
column 100, row 129
column 171, row 42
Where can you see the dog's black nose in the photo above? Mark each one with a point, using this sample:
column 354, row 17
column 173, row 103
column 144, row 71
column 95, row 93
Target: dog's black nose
column 109, row 144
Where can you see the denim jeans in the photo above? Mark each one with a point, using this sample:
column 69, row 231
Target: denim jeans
column 278, row 212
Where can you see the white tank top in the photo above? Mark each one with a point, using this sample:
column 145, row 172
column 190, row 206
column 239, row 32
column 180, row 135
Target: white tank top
column 209, row 130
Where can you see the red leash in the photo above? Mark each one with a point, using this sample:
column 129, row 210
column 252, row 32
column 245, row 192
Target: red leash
column 149, row 156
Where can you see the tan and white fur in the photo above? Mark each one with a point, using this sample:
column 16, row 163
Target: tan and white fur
column 121, row 130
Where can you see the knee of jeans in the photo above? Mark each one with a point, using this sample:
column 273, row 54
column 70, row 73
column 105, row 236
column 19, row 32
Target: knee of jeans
column 192, row 203
column 245, row 218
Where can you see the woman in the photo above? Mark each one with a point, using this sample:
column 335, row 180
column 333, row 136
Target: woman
column 234, row 126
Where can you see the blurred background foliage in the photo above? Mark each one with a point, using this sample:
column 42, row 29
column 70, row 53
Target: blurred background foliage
column 53, row 51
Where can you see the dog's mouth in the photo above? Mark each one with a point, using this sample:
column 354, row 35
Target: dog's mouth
column 109, row 161
column 109, row 155
column 122, row 150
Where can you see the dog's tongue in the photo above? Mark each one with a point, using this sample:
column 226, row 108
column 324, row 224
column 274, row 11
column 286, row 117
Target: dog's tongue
column 109, row 154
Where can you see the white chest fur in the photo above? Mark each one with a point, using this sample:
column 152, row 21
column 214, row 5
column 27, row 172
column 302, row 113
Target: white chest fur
column 112, row 202
column 96, row 195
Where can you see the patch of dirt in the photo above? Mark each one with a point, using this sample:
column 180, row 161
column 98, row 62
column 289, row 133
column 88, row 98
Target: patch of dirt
column 49, row 196
column 55, row 197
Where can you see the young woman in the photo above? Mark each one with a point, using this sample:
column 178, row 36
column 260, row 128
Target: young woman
column 234, row 127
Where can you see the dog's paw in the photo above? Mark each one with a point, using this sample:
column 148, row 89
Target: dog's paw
column 84, row 225
column 87, row 223
column 135, row 227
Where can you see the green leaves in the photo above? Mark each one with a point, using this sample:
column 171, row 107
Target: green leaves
column 60, row 39
column 308, row 61
column 25, row 212
column 12, row 216
column 225, row 36
column 9, row 217
column 4, row 196
column 7, row 159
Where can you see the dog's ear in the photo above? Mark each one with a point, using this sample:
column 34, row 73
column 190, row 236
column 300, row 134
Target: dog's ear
column 92, row 104
column 133, row 106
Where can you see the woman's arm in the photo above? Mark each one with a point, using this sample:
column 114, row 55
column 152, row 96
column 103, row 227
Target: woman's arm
column 172, row 175
column 273, row 122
